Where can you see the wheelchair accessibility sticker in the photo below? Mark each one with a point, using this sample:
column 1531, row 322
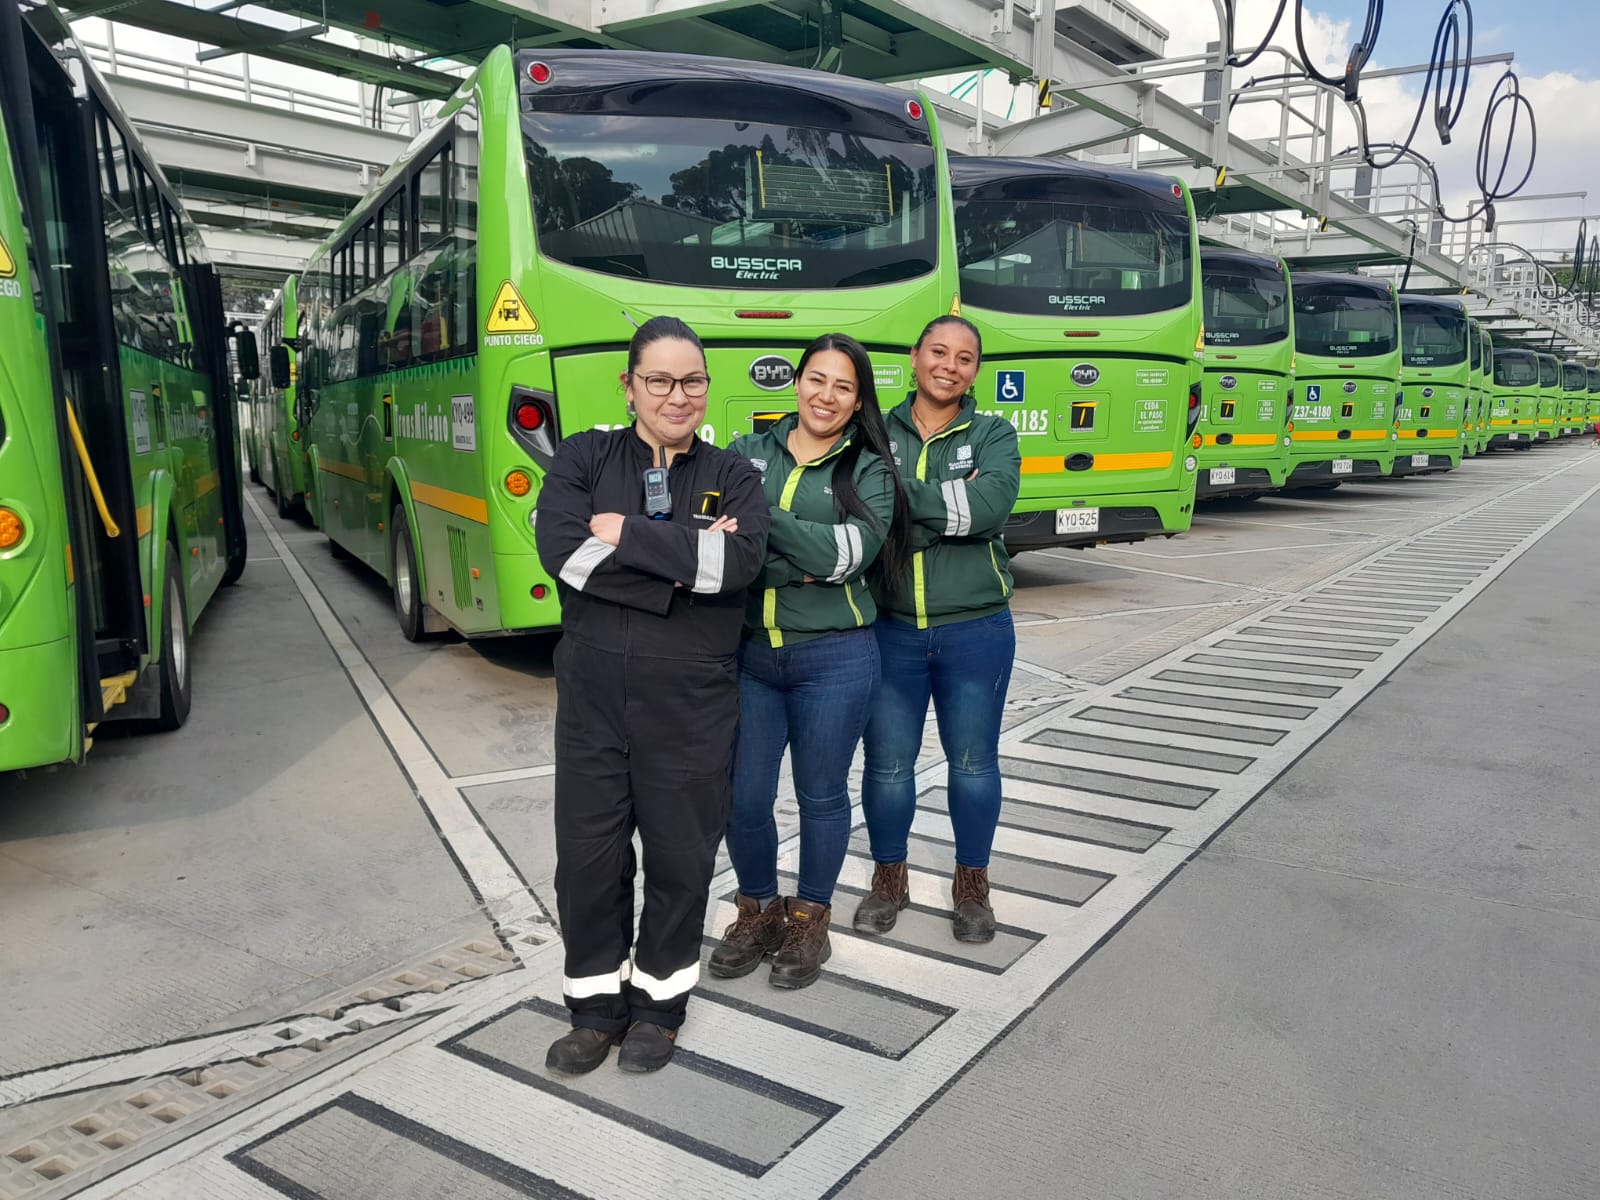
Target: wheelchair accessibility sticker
column 1010, row 387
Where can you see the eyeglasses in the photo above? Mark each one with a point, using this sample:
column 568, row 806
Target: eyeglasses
column 694, row 386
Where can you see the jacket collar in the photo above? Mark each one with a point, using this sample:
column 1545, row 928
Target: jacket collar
column 643, row 451
column 902, row 413
column 786, row 425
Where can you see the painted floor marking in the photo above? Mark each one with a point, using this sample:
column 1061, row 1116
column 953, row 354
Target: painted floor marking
column 616, row 1155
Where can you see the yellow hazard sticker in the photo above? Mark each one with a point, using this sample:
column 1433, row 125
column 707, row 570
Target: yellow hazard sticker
column 509, row 314
column 8, row 264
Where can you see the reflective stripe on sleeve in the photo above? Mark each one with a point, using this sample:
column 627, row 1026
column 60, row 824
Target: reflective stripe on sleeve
column 958, row 521
column 584, row 560
column 708, row 562
column 848, row 540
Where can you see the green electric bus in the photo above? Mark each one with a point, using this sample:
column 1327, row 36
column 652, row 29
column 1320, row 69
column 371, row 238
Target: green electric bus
column 1436, row 384
column 1084, row 281
column 445, row 345
column 1472, row 443
column 1552, row 399
column 1516, row 398
column 282, row 453
column 1249, row 382
column 120, row 502
column 1486, row 426
column 1574, row 385
column 1347, row 378
column 1591, row 417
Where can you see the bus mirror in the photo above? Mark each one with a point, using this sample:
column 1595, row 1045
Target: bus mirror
column 244, row 344
column 279, row 360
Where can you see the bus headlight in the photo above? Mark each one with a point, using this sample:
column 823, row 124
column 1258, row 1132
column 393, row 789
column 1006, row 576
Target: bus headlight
column 1288, row 441
column 11, row 529
column 1188, row 463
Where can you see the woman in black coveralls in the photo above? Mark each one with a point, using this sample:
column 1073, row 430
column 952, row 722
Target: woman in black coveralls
column 647, row 700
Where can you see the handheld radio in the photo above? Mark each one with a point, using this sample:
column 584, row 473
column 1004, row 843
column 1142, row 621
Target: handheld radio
column 657, row 495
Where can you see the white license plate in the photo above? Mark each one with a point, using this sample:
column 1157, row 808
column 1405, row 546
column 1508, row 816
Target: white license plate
column 1511, row 437
column 1419, row 460
column 1221, row 475
column 1077, row 520
column 1344, row 466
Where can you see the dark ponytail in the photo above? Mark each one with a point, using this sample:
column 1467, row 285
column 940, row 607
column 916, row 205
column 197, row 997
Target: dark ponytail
column 871, row 435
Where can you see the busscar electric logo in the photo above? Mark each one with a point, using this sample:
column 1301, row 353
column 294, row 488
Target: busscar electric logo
column 754, row 268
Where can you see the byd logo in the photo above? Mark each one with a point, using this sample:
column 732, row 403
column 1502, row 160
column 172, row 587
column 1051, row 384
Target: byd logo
column 1085, row 374
column 772, row 372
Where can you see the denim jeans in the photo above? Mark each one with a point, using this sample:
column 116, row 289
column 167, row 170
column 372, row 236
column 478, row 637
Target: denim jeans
column 966, row 667
column 811, row 697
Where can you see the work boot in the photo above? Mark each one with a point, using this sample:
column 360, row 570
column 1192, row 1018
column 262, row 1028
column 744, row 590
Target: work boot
column 973, row 919
column 647, row 1048
column 805, row 945
column 891, row 892
column 579, row 1051
column 756, row 933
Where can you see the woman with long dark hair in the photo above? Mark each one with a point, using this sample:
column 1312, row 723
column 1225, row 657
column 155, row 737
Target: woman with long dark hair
column 809, row 661
column 945, row 631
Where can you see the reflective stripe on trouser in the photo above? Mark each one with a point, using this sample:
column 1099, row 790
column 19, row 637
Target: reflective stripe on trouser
column 641, row 744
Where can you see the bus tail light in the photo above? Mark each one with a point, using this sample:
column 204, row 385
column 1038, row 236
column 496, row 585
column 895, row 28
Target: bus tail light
column 539, row 72
column 538, row 591
column 1194, row 407
column 518, row 484
column 533, row 425
column 762, row 314
column 914, row 109
column 5, row 714
column 11, row 529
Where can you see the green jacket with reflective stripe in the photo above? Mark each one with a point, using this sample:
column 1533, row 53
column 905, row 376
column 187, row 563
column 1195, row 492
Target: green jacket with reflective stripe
column 959, row 568
column 808, row 538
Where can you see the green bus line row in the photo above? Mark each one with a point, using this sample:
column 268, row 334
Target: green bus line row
column 475, row 308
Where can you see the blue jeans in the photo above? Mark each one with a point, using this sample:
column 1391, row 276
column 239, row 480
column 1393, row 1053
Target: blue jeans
column 966, row 667
column 812, row 697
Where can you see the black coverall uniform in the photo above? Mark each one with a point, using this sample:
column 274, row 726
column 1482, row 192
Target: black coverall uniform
column 646, row 712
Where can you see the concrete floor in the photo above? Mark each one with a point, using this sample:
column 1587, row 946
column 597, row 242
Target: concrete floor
column 1372, row 983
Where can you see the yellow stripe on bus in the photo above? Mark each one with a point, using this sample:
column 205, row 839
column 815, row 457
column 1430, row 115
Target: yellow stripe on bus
column 1245, row 439
column 205, row 485
column 342, row 469
column 1055, row 464
column 143, row 518
column 1332, row 435
column 1433, row 433
column 471, row 508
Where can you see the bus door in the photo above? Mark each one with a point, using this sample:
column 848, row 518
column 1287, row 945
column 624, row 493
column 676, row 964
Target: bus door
column 67, row 222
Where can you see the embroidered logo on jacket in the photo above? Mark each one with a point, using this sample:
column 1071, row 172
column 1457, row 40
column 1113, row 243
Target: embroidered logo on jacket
column 707, row 506
column 963, row 457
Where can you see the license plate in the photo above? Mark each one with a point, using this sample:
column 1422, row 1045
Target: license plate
column 1344, row 466
column 1077, row 520
column 1511, row 437
column 1419, row 460
column 1221, row 475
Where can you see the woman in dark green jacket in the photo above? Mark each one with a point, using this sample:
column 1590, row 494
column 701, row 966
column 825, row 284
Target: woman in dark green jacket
column 809, row 662
column 944, row 629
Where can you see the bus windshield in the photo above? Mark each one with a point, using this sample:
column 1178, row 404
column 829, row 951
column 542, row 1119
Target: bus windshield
column 1593, row 374
column 1574, row 378
column 1549, row 371
column 1336, row 320
column 1431, row 337
column 1516, row 369
column 1058, row 246
column 1244, row 307
column 727, row 203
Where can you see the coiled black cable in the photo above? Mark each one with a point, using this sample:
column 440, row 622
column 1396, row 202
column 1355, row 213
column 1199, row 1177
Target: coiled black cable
column 1449, row 64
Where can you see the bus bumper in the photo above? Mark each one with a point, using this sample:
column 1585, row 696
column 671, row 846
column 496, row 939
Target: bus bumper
column 1320, row 470
column 1245, row 480
column 1406, row 464
column 40, row 729
column 1133, row 519
column 1510, row 439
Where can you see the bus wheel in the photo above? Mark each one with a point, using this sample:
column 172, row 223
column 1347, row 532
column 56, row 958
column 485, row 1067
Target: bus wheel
column 281, row 494
column 407, row 590
column 255, row 470
column 174, row 665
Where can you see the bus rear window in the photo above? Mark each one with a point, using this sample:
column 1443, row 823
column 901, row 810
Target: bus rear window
column 1574, row 378
column 1244, row 310
column 1054, row 256
column 730, row 204
column 1516, row 369
column 1430, row 338
column 1343, row 322
column 1549, row 371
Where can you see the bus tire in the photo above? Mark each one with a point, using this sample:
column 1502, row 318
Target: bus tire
column 255, row 470
column 281, row 494
column 407, row 587
column 174, row 664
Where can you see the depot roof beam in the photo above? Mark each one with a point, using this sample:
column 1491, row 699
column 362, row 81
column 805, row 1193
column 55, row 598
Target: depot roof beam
column 230, row 32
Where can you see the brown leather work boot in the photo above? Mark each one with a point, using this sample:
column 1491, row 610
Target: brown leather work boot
column 756, row 933
column 805, row 945
column 891, row 892
column 973, row 919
